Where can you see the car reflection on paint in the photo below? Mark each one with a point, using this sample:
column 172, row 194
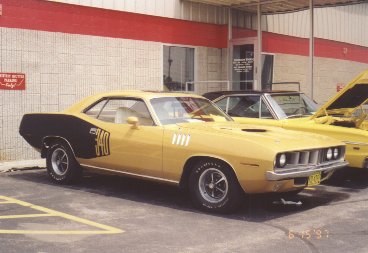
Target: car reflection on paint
column 180, row 139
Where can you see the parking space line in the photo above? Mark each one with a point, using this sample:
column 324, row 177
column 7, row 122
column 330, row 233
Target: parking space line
column 59, row 232
column 310, row 189
column 26, row 216
column 49, row 212
column 7, row 202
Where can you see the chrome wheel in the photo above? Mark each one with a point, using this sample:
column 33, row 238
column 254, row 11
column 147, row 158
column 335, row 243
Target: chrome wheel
column 213, row 185
column 60, row 161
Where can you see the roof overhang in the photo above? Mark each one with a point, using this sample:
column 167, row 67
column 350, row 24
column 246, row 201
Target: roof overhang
column 276, row 6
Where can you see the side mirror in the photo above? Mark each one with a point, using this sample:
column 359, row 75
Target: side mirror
column 133, row 121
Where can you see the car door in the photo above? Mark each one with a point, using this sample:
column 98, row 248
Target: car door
column 123, row 146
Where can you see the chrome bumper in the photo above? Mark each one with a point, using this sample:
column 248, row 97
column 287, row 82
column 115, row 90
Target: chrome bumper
column 273, row 176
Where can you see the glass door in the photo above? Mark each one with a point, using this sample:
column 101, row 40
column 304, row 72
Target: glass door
column 243, row 64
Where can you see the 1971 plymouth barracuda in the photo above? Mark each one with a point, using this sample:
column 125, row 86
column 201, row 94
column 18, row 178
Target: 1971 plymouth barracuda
column 344, row 117
column 181, row 139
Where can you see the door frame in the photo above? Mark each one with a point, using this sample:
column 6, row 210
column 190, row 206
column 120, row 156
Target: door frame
column 244, row 41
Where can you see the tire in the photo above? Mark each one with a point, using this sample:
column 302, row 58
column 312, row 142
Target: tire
column 214, row 187
column 61, row 164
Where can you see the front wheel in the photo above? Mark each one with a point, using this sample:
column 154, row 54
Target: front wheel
column 213, row 187
column 61, row 164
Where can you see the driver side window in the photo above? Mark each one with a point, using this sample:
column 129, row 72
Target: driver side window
column 244, row 106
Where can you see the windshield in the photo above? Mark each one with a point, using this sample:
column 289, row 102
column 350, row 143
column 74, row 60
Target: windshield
column 171, row 110
column 292, row 105
column 361, row 110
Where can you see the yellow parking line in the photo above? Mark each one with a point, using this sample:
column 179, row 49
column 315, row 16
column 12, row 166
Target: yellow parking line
column 15, row 201
column 49, row 212
column 310, row 189
column 26, row 216
column 59, row 232
column 6, row 202
column 77, row 219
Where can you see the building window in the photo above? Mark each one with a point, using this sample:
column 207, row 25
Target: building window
column 178, row 68
column 267, row 71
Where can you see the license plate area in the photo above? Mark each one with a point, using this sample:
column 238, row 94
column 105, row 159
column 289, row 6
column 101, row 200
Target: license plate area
column 314, row 179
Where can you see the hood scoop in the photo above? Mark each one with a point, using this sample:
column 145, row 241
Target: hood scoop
column 254, row 130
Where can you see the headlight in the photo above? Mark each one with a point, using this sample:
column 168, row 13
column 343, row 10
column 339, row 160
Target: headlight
column 329, row 154
column 281, row 161
column 336, row 153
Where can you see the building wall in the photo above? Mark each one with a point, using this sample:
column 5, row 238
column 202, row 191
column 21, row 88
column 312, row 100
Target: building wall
column 328, row 73
column 344, row 23
column 211, row 67
column 177, row 9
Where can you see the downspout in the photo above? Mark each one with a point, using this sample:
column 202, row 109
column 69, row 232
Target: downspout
column 229, row 49
column 258, row 85
column 311, row 47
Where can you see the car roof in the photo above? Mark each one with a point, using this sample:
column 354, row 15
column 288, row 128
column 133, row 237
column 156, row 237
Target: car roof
column 127, row 93
column 144, row 94
column 216, row 94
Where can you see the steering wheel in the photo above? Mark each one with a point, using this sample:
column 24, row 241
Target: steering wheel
column 251, row 108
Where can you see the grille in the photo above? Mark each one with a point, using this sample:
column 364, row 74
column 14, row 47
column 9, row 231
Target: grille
column 307, row 159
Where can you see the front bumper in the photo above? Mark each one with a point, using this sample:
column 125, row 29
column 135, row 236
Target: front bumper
column 276, row 176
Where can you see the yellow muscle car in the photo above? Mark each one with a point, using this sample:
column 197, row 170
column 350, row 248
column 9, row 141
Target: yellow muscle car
column 181, row 139
column 344, row 117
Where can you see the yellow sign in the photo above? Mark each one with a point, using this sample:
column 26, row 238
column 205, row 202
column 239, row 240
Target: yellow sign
column 314, row 179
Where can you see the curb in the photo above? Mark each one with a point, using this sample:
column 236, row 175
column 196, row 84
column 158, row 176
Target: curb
column 21, row 165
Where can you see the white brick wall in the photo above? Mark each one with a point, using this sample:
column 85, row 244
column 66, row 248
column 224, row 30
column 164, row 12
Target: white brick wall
column 63, row 68
column 211, row 65
column 327, row 73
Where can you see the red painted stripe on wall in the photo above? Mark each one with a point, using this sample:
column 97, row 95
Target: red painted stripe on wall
column 277, row 43
column 58, row 17
column 66, row 18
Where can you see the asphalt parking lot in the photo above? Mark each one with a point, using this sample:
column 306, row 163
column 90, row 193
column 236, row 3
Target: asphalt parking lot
column 109, row 213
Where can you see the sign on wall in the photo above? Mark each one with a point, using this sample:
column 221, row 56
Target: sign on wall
column 243, row 65
column 340, row 86
column 12, row 81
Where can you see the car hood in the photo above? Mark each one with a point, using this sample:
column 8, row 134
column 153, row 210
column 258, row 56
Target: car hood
column 352, row 96
column 265, row 135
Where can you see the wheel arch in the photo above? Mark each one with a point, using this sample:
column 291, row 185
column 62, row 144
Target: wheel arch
column 193, row 160
column 49, row 140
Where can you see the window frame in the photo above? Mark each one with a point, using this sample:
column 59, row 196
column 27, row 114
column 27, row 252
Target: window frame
column 117, row 98
column 273, row 68
column 261, row 99
column 281, row 115
column 195, row 72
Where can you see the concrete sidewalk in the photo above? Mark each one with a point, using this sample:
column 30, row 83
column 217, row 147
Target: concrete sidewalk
column 19, row 165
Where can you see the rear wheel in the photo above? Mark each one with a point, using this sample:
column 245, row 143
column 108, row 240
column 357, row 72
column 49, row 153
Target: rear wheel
column 213, row 187
column 61, row 164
